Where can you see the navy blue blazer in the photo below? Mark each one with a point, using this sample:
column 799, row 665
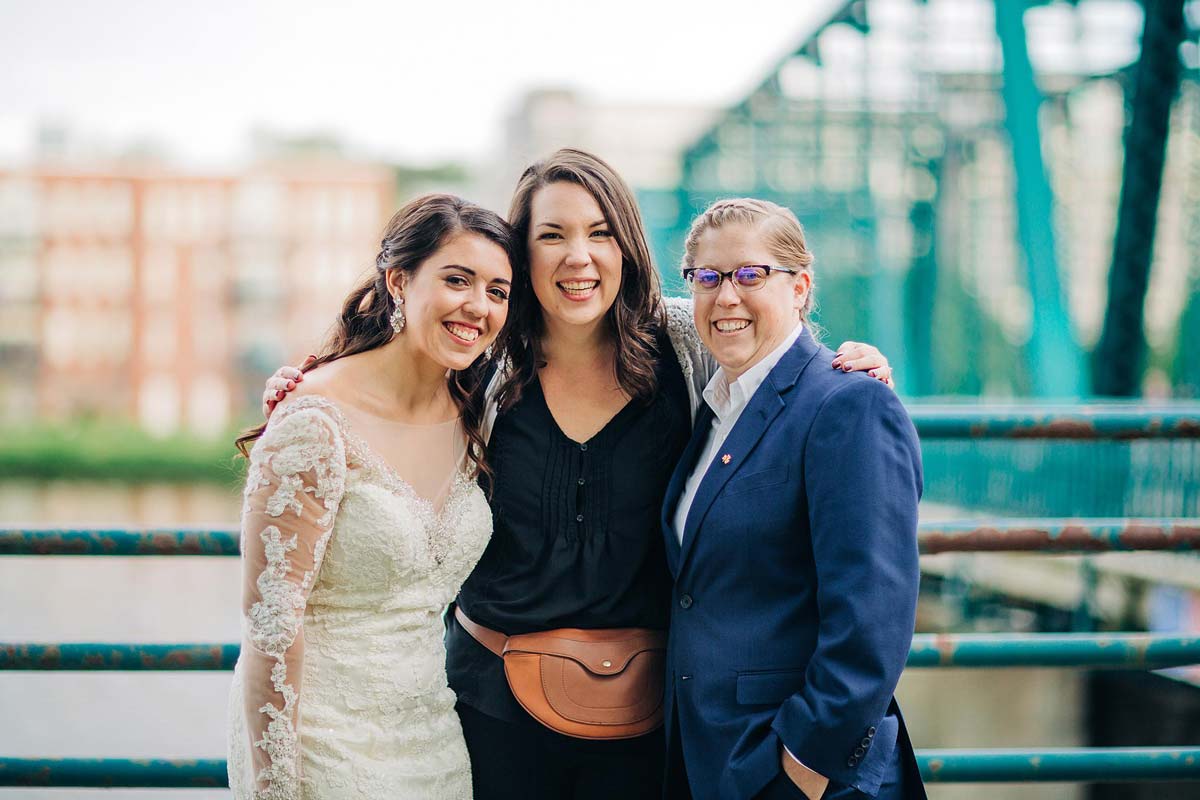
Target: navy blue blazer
column 796, row 586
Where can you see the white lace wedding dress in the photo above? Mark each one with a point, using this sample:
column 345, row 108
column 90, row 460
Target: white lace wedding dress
column 351, row 553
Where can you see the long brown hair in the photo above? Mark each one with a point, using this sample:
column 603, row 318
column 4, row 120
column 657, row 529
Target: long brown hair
column 413, row 235
column 637, row 313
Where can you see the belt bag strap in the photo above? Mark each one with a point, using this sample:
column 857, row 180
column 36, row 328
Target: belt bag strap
column 589, row 684
column 492, row 640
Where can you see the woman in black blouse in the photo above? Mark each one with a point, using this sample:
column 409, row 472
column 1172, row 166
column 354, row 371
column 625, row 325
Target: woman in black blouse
column 594, row 408
column 592, row 418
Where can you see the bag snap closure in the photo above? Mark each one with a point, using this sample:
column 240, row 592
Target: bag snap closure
column 606, row 663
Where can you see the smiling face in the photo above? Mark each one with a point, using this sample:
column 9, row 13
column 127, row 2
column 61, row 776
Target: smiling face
column 456, row 301
column 739, row 327
column 574, row 259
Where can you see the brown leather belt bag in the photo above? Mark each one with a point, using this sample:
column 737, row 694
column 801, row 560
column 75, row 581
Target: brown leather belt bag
column 590, row 684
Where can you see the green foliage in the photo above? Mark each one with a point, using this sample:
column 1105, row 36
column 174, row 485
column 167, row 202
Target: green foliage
column 115, row 451
column 413, row 179
column 1185, row 368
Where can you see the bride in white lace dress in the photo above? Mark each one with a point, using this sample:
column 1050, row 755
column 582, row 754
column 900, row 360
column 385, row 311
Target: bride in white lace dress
column 361, row 518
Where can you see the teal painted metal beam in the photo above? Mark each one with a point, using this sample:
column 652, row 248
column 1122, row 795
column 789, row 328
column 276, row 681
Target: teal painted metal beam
column 1107, row 764
column 118, row 542
column 117, row 657
column 1059, row 536
column 1100, row 421
column 1054, row 535
column 937, row 766
column 1120, row 353
column 108, row 773
column 1127, row 650
column 1092, row 650
column 1056, row 362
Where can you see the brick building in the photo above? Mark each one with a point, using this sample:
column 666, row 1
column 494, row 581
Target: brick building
column 164, row 297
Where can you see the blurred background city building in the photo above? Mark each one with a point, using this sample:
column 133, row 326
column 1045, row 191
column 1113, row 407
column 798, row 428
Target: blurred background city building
column 160, row 296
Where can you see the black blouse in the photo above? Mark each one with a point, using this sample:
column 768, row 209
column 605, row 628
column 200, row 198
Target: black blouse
column 576, row 541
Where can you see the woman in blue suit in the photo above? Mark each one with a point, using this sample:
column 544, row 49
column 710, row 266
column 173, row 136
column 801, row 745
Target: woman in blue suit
column 790, row 527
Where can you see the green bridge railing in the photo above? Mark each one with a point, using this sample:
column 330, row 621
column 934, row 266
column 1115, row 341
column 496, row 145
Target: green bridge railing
column 997, row 536
column 1098, row 423
column 1124, row 650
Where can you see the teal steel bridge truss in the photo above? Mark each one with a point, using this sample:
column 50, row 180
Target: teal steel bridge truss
column 941, row 189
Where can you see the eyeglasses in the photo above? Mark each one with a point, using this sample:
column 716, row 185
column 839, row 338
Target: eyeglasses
column 702, row 280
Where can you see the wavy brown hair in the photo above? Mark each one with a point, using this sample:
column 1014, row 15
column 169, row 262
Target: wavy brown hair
column 637, row 313
column 413, row 235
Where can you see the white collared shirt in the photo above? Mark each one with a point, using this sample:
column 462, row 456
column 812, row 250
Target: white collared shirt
column 727, row 400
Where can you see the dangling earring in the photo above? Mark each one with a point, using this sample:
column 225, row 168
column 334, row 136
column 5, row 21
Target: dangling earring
column 397, row 319
column 487, row 353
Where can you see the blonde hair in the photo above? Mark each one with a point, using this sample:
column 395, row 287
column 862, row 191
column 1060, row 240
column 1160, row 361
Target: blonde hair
column 781, row 231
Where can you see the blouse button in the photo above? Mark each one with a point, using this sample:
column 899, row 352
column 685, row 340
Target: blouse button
column 579, row 517
column 581, row 481
column 583, row 447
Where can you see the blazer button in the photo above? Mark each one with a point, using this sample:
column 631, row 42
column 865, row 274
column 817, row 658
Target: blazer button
column 685, row 601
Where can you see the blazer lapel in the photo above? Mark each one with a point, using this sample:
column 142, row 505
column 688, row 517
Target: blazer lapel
column 687, row 460
column 758, row 415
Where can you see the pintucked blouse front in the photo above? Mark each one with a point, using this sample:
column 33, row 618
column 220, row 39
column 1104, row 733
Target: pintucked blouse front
column 577, row 540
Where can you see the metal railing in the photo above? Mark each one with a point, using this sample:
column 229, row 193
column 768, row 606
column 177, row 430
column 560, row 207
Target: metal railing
column 1103, row 650
column 1095, row 422
column 999, row 536
column 1094, row 650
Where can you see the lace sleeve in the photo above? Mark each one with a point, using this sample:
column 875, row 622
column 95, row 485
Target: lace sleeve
column 293, row 486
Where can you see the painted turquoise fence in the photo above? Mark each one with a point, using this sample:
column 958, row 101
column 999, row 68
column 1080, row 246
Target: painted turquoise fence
column 1115, row 764
column 1120, row 650
column 1135, row 428
column 112, row 773
column 1098, row 460
column 1009, row 535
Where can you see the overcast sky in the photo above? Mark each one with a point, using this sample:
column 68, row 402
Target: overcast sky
column 412, row 81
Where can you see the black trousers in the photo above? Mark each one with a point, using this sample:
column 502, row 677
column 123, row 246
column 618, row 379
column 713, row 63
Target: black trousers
column 526, row 761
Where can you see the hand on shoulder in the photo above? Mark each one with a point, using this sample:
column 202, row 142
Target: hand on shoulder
column 863, row 357
column 283, row 382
